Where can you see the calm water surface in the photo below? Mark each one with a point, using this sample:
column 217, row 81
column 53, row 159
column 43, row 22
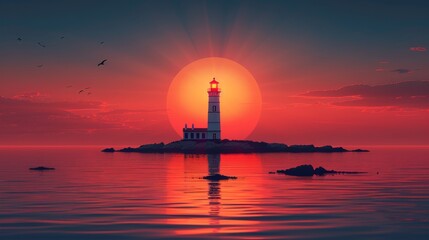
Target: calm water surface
column 94, row 195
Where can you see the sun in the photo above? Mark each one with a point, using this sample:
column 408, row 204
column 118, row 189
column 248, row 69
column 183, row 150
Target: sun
column 240, row 99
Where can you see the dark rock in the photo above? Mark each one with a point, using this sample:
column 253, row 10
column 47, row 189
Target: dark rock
column 41, row 168
column 303, row 170
column 308, row 170
column 359, row 150
column 108, row 150
column 218, row 177
column 320, row 171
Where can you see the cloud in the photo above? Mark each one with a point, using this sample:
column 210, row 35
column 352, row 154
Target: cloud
column 22, row 116
column 41, row 102
column 30, row 95
column 402, row 70
column 418, row 49
column 31, row 119
column 411, row 94
column 398, row 70
column 129, row 111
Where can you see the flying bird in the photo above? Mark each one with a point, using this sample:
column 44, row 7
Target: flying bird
column 101, row 42
column 39, row 66
column 19, row 39
column 102, row 62
column 40, row 44
column 62, row 37
column 81, row 91
column 87, row 88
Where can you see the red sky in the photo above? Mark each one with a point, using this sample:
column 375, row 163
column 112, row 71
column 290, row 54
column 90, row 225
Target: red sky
column 302, row 68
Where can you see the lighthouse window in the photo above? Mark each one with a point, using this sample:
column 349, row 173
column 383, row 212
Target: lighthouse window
column 214, row 109
column 203, row 135
column 192, row 135
column 186, row 135
column 198, row 135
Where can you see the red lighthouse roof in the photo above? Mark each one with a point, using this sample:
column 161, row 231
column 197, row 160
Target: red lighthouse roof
column 214, row 81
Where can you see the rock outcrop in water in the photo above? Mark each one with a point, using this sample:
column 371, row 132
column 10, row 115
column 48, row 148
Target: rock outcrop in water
column 228, row 146
column 108, row 150
column 308, row 171
column 359, row 150
column 218, row 177
column 41, row 168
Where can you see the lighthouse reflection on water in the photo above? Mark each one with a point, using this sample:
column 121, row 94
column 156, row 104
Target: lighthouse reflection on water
column 214, row 187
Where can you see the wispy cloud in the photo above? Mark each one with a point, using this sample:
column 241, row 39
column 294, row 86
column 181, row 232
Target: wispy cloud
column 30, row 96
column 402, row 70
column 418, row 49
column 412, row 94
column 29, row 118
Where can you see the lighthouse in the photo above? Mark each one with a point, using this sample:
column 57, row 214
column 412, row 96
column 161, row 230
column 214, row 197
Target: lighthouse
column 212, row 132
column 213, row 126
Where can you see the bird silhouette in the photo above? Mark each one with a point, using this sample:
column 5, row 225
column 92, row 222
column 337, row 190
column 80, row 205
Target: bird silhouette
column 87, row 88
column 62, row 37
column 101, row 42
column 40, row 44
column 39, row 66
column 81, row 91
column 102, row 62
column 19, row 39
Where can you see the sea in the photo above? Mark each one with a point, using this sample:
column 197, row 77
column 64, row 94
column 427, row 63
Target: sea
column 96, row 195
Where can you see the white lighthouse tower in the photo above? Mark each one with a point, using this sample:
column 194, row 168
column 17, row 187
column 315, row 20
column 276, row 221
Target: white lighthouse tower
column 212, row 132
column 213, row 126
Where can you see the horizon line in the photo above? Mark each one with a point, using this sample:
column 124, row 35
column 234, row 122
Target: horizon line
column 126, row 145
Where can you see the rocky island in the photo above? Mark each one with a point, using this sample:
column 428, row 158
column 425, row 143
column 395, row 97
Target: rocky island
column 308, row 171
column 41, row 168
column 218, row 177
column 229, row 146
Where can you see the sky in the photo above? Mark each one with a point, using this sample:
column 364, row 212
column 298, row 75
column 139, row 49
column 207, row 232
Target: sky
column 329, row 72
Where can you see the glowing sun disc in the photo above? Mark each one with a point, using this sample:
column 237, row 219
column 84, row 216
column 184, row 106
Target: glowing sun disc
column 240, row 99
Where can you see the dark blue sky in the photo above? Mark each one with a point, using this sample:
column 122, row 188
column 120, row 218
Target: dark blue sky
column 368, row 30
column 377, row 25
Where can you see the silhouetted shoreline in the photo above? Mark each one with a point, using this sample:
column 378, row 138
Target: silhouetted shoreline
column 229, row 146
